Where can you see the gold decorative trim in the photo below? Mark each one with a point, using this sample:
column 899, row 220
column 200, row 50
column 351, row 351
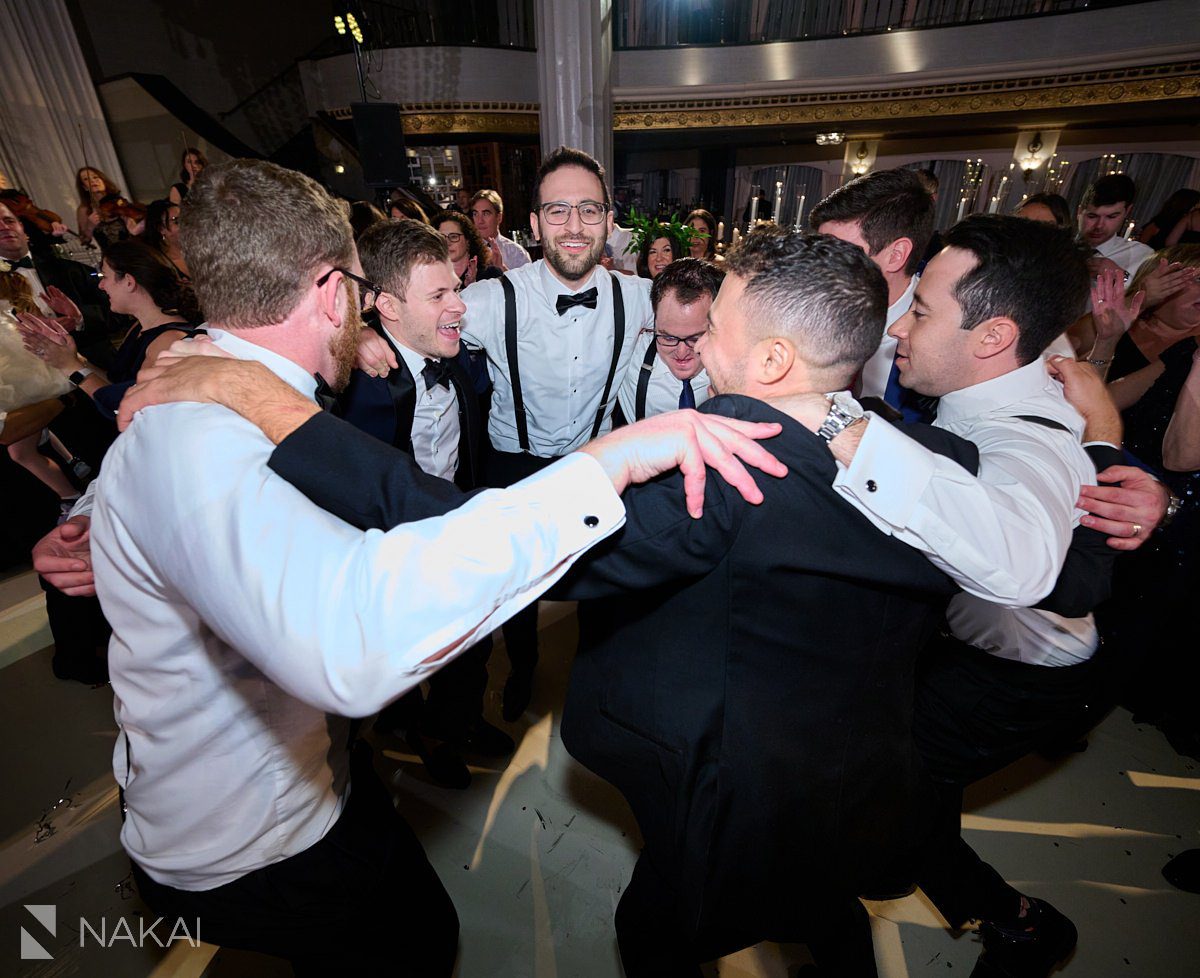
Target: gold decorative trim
column 1142, row 84
column 464, row 118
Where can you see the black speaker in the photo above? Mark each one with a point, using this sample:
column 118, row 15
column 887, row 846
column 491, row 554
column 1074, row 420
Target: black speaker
column 380, row 135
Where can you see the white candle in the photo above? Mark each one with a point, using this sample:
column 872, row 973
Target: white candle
column 720, row 231
column 993, row 205
column 753, row 210
column 737, row 236
column 799, row 225
column 1129, row 231
column 777, row 210
column 962, row 206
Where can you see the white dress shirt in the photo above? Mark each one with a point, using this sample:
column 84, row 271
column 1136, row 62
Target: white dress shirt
column 1128, row 254
column 513, row 254
column 618, row 241
column 242, row 615
column 662, row 394
column 1002, row 536
column 876, row 371
column 435, row 428
column 563, row 360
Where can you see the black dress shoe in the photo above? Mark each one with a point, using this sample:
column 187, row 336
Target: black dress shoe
column 443, row 763
column 1031, row 947
column 1184, row 871
column 518, row 691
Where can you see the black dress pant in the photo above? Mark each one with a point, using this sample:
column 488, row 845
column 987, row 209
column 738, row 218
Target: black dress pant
column 364, row 900
column 976, row 713
column 455, row 700
column 503, row 469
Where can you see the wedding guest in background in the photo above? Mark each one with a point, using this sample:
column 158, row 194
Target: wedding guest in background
column 363, row 214
column 400, row 207
column 704, row 243
column 93, row 186
column 469, row 255
column 191, row 165
column 1172, row 211
column 487, row 211
column 162, row 233
column 1047, row 208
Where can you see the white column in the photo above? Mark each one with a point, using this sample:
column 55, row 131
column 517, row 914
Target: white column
column 574, row 42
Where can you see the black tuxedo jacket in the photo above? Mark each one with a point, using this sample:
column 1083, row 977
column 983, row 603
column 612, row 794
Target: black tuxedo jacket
column 94, row 337
column 384, row 407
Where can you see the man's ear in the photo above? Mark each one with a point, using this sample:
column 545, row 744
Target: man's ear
column 388, row 305
column 995, row 336
column 331, row 297
column 535, row 226
column 895, row 255
column 774, row 358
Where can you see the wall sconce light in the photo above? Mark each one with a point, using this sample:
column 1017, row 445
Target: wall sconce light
column 1033, row 157
column 860, row 164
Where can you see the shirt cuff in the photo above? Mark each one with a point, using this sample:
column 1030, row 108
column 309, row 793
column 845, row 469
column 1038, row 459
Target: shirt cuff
column 888, row 474
column 593, row 510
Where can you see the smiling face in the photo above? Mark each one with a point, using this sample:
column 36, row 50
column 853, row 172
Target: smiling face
column 684, row 322
column 428, row 320
column 573, row 249
column 170, row 224
column 934, row 354
column 699, row 245
column 660, row 255
column 14, row 242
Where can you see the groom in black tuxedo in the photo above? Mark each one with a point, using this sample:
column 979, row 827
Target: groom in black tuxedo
column 431, row 406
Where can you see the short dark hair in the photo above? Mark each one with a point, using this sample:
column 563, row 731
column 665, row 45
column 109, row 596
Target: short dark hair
column 822, row 292
column 154, row 273
column 1115, row 188
column 710, row 222
column 928, row 179
column 886, row 204
column 476, row 247
column 363, row 214
column 492, row 197
column 390, row 250
column 566, row 156
column 409, row 208
column 1032, row 273
column 688, row 279
column 1056, row 204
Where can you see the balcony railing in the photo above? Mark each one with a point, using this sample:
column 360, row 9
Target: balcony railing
column 677, row 23
column 479, row 23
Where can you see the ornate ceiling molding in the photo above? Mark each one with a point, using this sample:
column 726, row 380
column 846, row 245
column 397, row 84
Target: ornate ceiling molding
column 464, row 118
column 1148, row 83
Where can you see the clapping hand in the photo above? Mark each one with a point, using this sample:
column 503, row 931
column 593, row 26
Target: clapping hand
column 67, row 313
column 47, row 340
column 1113, row 311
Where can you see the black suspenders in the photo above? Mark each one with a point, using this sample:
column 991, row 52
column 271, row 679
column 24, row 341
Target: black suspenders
column 514, row 372
column 643, row 384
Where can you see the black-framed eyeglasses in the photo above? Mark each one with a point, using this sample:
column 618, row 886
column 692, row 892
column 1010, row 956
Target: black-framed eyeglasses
column 670, row 342
column 367, row 290
column 454, row 237
column 559, row 212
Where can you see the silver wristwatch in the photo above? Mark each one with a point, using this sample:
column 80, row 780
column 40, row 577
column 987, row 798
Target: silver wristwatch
column 844, row 410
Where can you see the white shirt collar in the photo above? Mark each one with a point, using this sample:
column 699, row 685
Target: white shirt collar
column 552, row 288
column 1016, row 385
column 412, row 359
column 281, row 366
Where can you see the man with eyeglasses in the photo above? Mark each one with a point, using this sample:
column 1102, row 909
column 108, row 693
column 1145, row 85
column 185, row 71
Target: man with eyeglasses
column 665, row 372
column 248, row 621
column 559, row 336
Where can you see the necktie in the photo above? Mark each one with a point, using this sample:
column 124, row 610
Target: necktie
column 436, row 372
column 27, row 262
column 324, row 394
column 687, row 399
column 565, row 302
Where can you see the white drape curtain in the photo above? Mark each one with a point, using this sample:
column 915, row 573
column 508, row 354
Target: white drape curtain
column 50, row 115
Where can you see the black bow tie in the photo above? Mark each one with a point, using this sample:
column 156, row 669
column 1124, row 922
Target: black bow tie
column 27, row 262
column 324, row 394
column 565, row 302
column 436, row 372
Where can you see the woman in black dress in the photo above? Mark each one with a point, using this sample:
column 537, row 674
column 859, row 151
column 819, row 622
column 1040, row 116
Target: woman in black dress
column 140, row 283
